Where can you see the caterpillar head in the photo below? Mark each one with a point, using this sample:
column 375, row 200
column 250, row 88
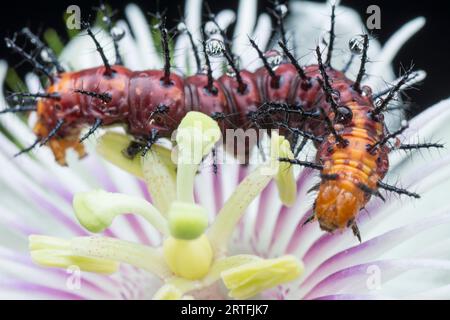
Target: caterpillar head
column 337, row 204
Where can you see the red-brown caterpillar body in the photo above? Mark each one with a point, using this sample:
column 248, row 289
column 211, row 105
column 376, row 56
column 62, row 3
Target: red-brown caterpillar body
column 315, row 102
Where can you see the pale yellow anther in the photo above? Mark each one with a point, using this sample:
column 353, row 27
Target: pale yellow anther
column 168, row 292
column 96, row 210
column 250, row 279
column 196, row 136
column 189, row 259
column 112, row 144
column 285, row 180
column 57, row 253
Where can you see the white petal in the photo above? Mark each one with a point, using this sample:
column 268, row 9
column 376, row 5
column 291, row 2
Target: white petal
column 128, row 48
column 244, row 26
column 391, row 48
column 141, row 30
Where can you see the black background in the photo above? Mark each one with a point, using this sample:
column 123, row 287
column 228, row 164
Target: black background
column 429, row 49
column 172, row 309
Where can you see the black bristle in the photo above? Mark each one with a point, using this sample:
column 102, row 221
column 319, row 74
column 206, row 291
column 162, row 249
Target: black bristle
column 392, row 92
column 34, row 39
column 332, row 37
column 299, row 132
column 32, row 60
column 18, row 109
column 294, row 62
column 326, row 85
column 52, row 132
column 307, row 164
column 45, row 95
column 420, row 146
column 397, row 190
column 109, row 28
column 241, row 84
column 166, row 51
column 264, row 60
column 28, row 149
column 373, row 147
column 104, row 97
column 210, row 86
column 108, row 69
column 362, row 67
column 95, row 126
column 372, row 192
column 343, row 142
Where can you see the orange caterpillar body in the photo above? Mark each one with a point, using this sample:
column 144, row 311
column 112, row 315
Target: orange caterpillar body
column 350, row 174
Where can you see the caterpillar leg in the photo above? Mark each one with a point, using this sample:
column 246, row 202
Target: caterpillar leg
column 311, row 218
column 60, row 146
column 214, row 156
column 356, row 232
column 152, row 138
column 132, row 150
column 142, row 146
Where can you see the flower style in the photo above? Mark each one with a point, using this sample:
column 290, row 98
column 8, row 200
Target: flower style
column 404, row 250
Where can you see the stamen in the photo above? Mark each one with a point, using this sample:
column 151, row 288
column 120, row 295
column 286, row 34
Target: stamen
column 143, row 257
column 55, row 252
column 112, row 144
column 168, row 292
column 287, row 188
column 252, row 278
column 110, row 147
column 97, row 209
column 224, row 225
column 160, row 176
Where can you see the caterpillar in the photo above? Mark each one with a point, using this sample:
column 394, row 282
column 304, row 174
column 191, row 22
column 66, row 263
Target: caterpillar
column 342, row 117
